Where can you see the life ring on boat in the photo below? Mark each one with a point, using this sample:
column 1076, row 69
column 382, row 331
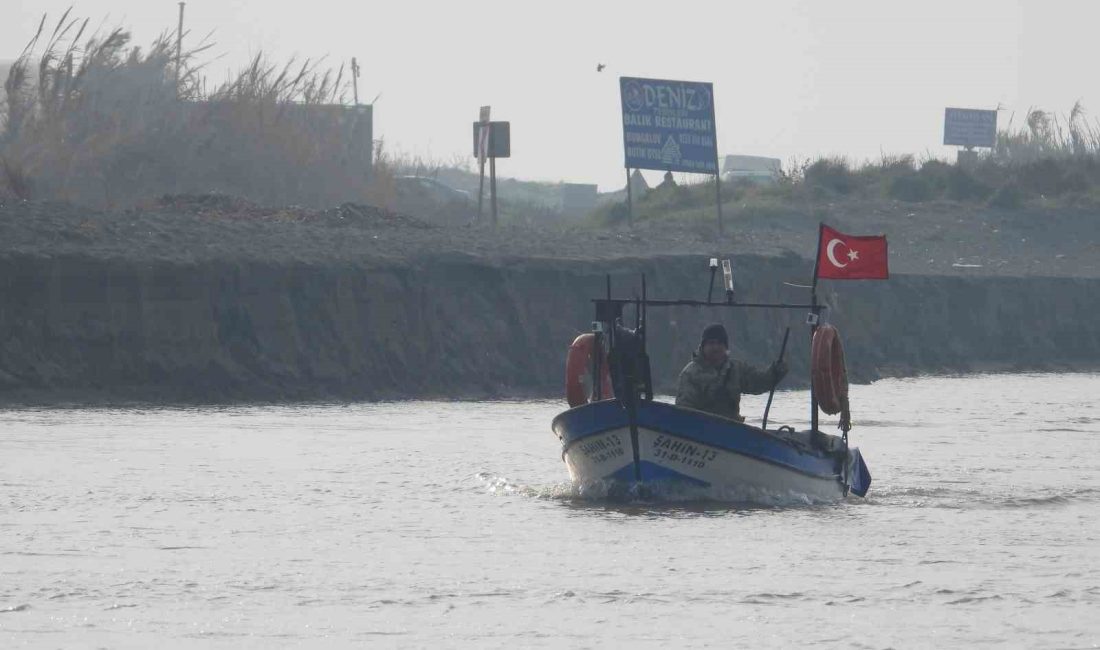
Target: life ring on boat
column 830, row 377
column 578, row 371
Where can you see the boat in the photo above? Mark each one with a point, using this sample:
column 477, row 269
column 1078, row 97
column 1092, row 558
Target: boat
column 616, row 434
column 668, row 444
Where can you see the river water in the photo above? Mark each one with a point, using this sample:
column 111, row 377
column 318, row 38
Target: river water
column 427, row 524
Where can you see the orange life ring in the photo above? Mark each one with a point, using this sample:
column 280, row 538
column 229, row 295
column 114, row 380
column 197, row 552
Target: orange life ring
column 830, row 377
column 578, row 371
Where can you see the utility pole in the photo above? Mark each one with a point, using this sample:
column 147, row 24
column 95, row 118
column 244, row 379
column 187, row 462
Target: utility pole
column 179, row 51
column 355, row 79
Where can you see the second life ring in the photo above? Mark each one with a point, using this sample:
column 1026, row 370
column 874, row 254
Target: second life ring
column 830, row 377
column 579, row 367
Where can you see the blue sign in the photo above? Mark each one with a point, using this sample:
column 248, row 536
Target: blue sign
column 669, row 125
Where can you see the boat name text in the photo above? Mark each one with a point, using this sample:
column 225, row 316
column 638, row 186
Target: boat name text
column 685, row 453
column 603, row 449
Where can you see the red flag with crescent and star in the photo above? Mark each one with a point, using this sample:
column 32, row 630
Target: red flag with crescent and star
column 851, row 257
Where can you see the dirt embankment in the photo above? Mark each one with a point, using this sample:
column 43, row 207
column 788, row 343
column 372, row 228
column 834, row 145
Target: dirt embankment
column 185, row 303
column 929, row 239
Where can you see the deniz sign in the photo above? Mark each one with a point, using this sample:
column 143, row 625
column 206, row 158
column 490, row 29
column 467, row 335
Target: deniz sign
column 968, row 127
column 669, row 125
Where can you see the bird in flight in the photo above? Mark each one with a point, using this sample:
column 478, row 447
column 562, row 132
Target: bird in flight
column 600, row 67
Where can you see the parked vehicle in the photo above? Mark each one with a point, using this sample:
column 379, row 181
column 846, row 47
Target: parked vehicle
column 426, row 187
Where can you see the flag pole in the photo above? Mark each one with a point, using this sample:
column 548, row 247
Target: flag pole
column 815, row 312
column 817, row 260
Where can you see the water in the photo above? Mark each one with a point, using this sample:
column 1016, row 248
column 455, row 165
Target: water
column 451, row 525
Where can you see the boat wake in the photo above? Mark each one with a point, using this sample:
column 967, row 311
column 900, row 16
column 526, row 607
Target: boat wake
column 649, row 493
column 960, row 498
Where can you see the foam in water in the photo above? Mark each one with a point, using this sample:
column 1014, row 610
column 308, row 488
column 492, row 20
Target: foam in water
column 671, row 492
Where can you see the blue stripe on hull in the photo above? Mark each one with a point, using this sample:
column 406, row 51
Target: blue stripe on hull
column 653, row 472
column 588, row 420
column 591, row 419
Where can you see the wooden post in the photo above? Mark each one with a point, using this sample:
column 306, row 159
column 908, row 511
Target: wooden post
column 179, row 51
column 480, row 189
column 493, row 183
column 717, row 173
column 355, row 80
column 629, row 201
column 718, row 197
column 483, row 135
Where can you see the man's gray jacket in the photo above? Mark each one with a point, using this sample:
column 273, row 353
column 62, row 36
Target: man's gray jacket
column 718, row 389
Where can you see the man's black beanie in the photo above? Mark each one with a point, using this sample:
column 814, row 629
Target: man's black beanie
column 715, row 332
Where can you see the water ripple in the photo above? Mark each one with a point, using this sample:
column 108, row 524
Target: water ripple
column 654, row 493
column 453, row 525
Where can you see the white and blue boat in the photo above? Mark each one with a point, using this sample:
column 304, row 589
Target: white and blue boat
column 617, row 434
column 668, row 444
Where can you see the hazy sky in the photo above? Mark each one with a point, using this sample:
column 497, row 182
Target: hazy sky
column 792, row 78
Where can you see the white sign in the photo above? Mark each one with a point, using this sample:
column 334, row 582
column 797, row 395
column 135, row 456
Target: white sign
column 968, row 127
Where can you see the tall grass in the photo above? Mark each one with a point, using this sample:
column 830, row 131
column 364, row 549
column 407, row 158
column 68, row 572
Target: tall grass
column 95, row 119
column 92, row 118
column 1048, row 160
column 1048, row 135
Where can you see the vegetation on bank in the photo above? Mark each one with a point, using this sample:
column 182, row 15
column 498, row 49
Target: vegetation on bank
column 1048, row 162
column 94, row 119
column 97, row 120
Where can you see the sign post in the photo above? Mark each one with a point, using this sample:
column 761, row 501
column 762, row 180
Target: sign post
column 718, row 201
column 629, row 201
column 969, row 128
column 482, row 151
column 492, row 140
column 493, row 184
column 669, row 126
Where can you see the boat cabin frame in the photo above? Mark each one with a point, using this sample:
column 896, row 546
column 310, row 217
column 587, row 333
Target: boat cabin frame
column 627, row 348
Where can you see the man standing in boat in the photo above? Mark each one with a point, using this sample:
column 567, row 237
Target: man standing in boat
column 713, row 382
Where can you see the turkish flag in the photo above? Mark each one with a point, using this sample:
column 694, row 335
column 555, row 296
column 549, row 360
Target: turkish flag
column 851, row 257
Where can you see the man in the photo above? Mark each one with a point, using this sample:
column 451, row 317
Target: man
column 668, row 183
column 713, row 382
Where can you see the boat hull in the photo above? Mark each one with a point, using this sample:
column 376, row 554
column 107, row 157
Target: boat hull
column 665, row 443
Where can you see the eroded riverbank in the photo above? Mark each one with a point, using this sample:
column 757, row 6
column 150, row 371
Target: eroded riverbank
column 85, row 329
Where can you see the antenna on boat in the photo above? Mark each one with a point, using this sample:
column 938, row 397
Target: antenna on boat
column 598, row 329
column 727, row 276
column 812, row 319
column 713, row 270
column 771, row 394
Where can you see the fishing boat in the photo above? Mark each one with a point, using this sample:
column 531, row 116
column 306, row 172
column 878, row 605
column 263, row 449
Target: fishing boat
column 617, row 434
